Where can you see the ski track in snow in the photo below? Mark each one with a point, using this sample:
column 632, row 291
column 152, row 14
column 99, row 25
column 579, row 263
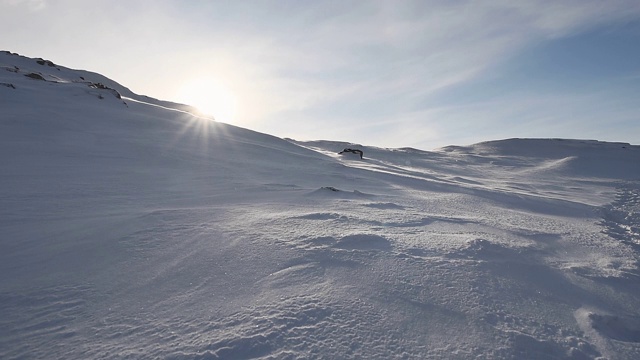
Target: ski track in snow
column 135, row 232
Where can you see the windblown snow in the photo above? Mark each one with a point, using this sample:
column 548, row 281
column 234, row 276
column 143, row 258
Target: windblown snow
column 135, row 230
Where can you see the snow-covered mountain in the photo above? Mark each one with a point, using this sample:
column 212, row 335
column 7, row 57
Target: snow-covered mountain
column 130, row 228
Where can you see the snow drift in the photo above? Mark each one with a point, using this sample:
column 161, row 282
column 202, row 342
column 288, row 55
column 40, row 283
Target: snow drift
column 130, row 228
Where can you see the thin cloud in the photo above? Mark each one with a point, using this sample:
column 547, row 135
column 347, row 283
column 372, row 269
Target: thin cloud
column 377, row 49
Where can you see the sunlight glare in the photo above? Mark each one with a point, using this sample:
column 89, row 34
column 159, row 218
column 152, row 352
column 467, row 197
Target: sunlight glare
column 210, row 97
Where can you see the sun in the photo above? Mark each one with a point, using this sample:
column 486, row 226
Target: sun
column 210, row 97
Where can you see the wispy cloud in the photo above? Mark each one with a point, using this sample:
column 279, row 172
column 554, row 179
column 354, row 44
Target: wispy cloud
column 421, row 46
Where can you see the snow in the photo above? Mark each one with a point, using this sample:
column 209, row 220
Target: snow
column 133, row 229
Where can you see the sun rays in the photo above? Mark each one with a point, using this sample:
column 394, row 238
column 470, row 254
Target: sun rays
column 211, row 97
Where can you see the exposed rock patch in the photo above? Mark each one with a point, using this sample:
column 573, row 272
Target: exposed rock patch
column 35, row 76
column 100, row 86
column 13, row 69
column 45, row 62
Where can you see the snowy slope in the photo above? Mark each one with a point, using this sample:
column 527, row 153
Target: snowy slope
column 132, row 230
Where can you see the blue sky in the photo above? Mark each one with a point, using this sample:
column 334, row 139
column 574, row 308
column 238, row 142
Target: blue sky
column 387, row 73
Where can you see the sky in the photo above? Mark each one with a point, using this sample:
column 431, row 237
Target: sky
column 388, row 73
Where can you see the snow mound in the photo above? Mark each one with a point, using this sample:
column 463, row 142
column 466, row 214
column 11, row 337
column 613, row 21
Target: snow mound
column 574, row 157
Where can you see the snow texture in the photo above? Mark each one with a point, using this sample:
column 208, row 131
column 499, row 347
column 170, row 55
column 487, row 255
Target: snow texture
column 132, row 229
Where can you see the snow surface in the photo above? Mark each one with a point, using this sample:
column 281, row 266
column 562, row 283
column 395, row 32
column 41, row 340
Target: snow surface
column 132, row 229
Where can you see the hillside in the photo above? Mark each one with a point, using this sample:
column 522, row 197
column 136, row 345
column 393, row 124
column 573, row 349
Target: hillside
column 131, row 228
